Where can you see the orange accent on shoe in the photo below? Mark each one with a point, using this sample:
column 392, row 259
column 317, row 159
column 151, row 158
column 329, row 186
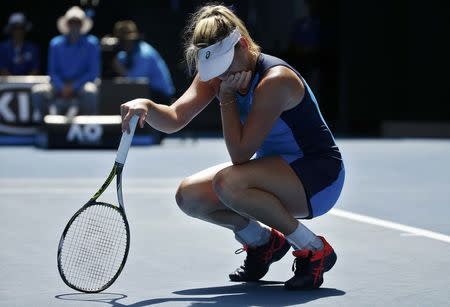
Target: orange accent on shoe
column 269, row 253
column 325, row 251
column 320, row 255
column 317, row 271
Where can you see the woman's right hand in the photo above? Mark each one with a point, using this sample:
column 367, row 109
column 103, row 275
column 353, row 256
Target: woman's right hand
column 134, row 107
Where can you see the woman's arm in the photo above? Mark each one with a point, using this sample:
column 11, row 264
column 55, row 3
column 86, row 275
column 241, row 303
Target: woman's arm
column 170, row 119
column 279, row 90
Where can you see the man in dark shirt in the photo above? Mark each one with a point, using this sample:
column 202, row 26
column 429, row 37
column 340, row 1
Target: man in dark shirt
column 18, row 56
column 73, row 66
column 138, row 58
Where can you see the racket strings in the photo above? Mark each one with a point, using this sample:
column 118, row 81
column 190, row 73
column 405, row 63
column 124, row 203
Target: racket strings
column 97, row 241
column 94, row 247
column 77, row 260
column 103, row 247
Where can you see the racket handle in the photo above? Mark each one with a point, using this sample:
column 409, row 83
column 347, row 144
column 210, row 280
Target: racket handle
column 125, row 141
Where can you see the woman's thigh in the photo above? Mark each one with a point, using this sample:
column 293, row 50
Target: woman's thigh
column 273, row 175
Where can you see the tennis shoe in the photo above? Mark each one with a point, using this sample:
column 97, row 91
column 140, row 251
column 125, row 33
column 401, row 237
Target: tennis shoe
column 259, row 259
column 309, row 267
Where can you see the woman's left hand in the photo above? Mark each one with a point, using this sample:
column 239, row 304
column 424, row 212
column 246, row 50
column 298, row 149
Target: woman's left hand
column 233, row 83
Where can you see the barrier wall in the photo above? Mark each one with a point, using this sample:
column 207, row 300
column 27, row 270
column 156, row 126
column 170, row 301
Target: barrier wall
column 20, row 124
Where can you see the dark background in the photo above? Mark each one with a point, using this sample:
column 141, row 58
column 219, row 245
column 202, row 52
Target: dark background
column 379, row 60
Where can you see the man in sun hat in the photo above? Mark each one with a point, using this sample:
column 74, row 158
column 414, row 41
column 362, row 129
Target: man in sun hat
column 73, row 66
column 18, row 56
column 137, row 59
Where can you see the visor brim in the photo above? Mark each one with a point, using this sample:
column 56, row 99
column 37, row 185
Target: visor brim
column 211, row 69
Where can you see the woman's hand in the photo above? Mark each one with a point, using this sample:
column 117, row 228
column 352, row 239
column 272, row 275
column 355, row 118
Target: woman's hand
column 234, row 83
column 139, row 107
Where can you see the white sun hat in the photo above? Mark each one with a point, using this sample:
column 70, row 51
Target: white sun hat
column 214, row 60
column 74, row 13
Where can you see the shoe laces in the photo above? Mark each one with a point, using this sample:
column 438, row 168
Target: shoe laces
column 241, row 250
column 252, row 254
column 244, row 248
column 266, row 255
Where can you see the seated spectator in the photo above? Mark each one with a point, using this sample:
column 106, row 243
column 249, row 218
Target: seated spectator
column 73, row 66
column 140, row 59
column 18, row 56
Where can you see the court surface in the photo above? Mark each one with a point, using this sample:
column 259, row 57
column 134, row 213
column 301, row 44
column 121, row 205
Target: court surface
column 390, row 229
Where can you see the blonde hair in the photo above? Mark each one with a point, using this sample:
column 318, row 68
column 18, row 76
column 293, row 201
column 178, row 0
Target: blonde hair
column 208, row 25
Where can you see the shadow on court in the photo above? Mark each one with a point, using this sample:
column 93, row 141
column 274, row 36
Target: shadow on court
column 255, row 294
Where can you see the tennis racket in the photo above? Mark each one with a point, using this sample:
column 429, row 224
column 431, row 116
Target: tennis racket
column 94, row 245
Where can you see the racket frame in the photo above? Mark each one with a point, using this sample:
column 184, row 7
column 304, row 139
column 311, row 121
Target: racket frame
column 117, row 173
column 122, row 152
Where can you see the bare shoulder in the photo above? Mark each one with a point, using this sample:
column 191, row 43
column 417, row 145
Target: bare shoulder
column 282, row 83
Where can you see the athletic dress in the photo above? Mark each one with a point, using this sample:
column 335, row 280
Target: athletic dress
column 302, row 138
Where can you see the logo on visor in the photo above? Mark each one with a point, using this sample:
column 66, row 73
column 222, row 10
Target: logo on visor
column 208, row 54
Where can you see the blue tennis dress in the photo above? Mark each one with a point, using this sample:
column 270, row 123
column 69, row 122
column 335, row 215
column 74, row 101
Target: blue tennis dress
column 302, row 138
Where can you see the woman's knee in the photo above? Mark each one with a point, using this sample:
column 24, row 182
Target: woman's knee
column 228, row 185
column 191, row 198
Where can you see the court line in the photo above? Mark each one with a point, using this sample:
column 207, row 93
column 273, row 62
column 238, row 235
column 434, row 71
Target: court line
column 15, row 190
column 83, row 180
column 391, row 225
column 88, row 190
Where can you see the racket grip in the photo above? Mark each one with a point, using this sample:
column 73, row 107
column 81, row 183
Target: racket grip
column 125, row 141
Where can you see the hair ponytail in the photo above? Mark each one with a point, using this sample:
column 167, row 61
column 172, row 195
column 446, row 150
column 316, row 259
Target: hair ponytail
column 208, row 25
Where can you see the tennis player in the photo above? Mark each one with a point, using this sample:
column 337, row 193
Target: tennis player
column 285, row 164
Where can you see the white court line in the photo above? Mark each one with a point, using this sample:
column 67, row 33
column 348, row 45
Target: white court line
column 71, row 190
column 156, row 190
column 391, row 225
column 82, row 180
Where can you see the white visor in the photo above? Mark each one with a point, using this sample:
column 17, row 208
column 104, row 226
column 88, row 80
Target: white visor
column 214, row 60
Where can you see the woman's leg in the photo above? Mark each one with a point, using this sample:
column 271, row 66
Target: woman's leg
column 195, row 197
column 266, row 189
column 269, row 191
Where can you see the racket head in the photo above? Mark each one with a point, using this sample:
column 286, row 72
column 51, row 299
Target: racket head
column 94, row 246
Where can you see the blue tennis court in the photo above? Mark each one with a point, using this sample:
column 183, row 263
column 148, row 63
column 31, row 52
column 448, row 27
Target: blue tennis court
column 390, row 229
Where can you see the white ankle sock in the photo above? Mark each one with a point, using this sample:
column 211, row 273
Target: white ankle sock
column 254, row 234
column 303, row 238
